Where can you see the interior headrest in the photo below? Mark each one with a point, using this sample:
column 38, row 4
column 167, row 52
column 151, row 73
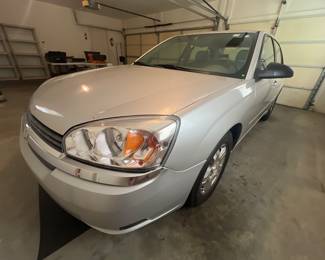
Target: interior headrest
column 202, row 56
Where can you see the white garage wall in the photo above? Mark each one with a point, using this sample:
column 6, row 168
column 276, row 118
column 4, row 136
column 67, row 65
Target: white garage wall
column 135, row 25
column 55, row 25
column 91, row 19
column 100, row 41
column 181, row 19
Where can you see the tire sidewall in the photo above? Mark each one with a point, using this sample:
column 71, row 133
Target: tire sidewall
column 196, row 197
column 269, row 112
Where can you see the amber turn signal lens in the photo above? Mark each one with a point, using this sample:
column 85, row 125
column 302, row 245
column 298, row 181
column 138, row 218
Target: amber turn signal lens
column 133, row 142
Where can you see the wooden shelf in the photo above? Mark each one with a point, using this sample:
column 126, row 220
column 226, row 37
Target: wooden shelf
column 3, row 53
column 6, row 67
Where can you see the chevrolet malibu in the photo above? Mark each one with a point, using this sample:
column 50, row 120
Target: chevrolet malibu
column 122, row 146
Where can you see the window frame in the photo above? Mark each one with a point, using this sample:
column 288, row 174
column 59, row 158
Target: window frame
column 262, row 46
column 277, row 43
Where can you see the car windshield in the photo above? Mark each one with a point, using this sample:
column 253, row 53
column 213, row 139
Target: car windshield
column 225, row 54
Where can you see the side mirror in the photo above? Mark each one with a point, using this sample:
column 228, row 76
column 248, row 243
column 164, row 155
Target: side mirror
column 273, row 71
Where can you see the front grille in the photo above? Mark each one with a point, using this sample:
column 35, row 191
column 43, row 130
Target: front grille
column 45, row 163
column 50, row 137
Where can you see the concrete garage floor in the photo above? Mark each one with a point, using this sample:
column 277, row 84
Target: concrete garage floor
column 269, row 205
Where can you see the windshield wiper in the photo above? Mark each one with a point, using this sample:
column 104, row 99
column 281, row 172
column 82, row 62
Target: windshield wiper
column 167, row 66
column 142, row 63
column 171, row 66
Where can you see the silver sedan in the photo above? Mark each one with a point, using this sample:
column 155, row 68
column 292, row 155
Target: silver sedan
column 120, row 147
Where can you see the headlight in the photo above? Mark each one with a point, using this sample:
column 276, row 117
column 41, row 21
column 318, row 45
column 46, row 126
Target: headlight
column 126, row 143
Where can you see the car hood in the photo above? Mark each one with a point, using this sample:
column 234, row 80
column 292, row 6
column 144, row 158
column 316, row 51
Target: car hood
column 66, row 101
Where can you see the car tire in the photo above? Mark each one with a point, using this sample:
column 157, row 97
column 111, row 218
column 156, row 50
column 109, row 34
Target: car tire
column 201, row 189
column 269, row 112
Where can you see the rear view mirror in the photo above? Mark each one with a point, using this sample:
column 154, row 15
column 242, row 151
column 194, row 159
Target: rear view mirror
column 273, row 71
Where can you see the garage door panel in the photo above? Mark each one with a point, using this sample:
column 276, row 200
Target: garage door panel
column 293, row 97
column 262, row 26
column 303, row 43
column 198, row 31
column 133, row 50
column 303, row 29
column 145, row 48
column 166, row 35
column 304, row 54
column 149, row 39
column 133, row 39
column 303, row 78
column 319, row 105
column 300, row 5
column 252, row 8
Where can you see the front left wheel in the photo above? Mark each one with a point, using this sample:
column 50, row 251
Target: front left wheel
column 211, row 172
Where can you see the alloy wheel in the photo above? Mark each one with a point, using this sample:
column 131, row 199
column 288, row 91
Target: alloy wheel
column 214, row 170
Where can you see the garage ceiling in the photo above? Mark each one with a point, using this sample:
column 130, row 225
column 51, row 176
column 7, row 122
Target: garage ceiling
column 140, row 6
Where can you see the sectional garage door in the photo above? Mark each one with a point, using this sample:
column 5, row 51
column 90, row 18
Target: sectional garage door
column 137, row 44
column 303, row 43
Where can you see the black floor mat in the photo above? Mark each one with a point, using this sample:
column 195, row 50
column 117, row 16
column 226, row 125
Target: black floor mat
column 57, row 227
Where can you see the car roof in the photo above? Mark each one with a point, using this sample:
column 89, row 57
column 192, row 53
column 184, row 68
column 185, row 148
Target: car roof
column 229, row 31
column 215, row 32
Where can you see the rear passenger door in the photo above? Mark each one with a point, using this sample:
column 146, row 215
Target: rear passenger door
column 264, row 88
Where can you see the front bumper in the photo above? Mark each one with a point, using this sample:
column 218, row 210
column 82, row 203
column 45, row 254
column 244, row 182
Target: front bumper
column 114, row 209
